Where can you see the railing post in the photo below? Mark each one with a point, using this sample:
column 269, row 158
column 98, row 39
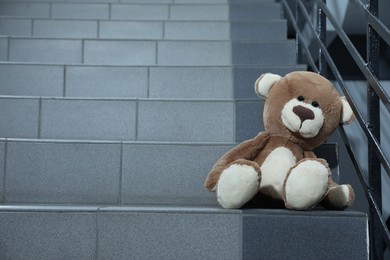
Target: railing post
column 321, row 24
column 373, row 123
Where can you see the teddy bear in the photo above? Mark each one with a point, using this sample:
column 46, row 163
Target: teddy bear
column 279, row 166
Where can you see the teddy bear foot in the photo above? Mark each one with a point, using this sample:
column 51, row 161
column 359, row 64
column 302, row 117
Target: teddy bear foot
column 306, row 184
column 339, row 197
column 237, row 185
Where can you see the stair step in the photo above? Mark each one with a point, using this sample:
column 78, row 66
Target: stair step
column 148, row 1
column 92, row 172
column 116, row 119
column 134, row 82
column 129, row 11
column 145, row 30
column 132, row 52
column 51, row 232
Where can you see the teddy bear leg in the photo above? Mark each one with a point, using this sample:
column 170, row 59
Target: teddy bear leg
column 306, row 184
column 339, row 197
column 238, row 183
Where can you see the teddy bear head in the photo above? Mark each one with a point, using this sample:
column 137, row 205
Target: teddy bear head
column 303, row 106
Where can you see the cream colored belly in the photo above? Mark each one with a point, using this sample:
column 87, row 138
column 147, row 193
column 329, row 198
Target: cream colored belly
column 274, row 171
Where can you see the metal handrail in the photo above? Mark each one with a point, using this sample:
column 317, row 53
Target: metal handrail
column 379, row 233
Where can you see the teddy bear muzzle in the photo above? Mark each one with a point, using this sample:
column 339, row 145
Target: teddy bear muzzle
column 302, row 118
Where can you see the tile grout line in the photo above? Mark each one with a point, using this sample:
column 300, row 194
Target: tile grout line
column 39, row 117
column 8, row 48
column 120, row 174
column 136, row 120
column 148, row 82
column 64, row 81
column 5, row 168
column 97, row 233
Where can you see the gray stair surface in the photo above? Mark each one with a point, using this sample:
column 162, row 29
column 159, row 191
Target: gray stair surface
column 113, row 112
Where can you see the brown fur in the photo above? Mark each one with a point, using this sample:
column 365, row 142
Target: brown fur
column 253, row 152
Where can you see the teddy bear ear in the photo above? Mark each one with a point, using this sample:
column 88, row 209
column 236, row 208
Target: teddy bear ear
column 265, row 82
column 347, row 115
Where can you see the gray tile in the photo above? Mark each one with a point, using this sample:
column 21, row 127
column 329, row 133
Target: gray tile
column 3, row 49
column 198, row 121
column 39, row 172
column 249, row 119
column 245, row 78
column 199, row 12
column 197, row 31
column 31, row 80
column 120, row 52
column 15, row 27
column 65, row 28
column 164, row 175
column 254, row 12
column 273, row 30
column 41, row 10
column 139, row 12
column 131, row 30
column 202, row 1
column 2, row 173
column 169, row 236
column 19, row 117
column 194, row 53
column 305, row 236
column 147, row 1
column 88, row 119
column 191, row 82
column 45, row 50
column 89, row 81
column 263, row 53
column 80, row 11
column 48, row 235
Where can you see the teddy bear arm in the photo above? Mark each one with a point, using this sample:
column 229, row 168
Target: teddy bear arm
column 247, row 150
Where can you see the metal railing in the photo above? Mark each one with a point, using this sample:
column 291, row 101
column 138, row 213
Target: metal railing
column 302, row 17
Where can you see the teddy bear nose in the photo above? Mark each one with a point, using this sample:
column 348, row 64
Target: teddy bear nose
column 303, row 113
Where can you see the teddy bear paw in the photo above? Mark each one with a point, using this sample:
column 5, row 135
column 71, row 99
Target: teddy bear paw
column 306, row 184
column 237, row 185
column 339, row 197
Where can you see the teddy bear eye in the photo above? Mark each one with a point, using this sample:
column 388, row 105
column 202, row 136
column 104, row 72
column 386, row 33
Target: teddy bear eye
column 315, row 104
column 301, row 98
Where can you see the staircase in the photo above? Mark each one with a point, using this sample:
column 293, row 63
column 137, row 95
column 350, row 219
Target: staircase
column 112, row 112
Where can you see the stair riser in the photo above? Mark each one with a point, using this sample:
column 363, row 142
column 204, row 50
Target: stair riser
column 133, row 82
column 126, row 52
column 108, row 173
column 114, row 173
column 145, row 120
column 274, row 30
column 220, row 12
column 183, row 234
